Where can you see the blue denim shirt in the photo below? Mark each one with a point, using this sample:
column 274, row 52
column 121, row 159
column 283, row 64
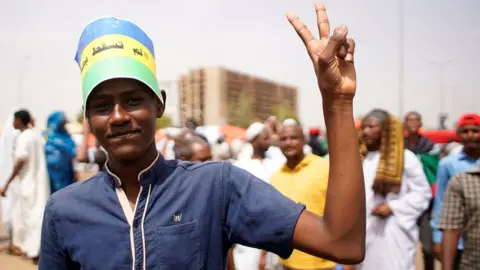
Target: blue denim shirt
column 448, row 167
column 187, row 216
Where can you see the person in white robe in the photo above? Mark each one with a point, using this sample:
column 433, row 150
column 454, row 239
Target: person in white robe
column 7, row 141
column 397, row 193
column 263, row 166
column 30, row 173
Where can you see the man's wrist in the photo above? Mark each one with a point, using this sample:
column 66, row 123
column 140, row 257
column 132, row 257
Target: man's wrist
column 335, row 105
column 331, row 96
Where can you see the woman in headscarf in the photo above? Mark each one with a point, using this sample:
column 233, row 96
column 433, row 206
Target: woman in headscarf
column 60, row 152
column 397, row 193
column 7, row 141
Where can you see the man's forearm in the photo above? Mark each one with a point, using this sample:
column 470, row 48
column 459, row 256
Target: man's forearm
column 345, row 203
column 17, row 167
column 449, row 248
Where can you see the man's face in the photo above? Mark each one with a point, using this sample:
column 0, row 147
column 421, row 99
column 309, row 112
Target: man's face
column 469, row 136
column 413, row 123
column 122, row 114
column 17, row 123
column 292, row 141
column 201, row 153
column 371, row 131
column 262, row 141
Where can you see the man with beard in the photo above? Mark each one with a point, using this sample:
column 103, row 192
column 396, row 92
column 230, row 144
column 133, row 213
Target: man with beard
column 468, row 130
column 263, row 167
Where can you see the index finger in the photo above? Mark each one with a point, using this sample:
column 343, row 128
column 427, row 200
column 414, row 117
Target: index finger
column 322, row 20
column 300, row 27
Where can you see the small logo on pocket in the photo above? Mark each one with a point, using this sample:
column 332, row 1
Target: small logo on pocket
column 177, row 217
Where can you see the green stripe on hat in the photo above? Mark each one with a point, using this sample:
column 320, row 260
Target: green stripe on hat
column 116, row 68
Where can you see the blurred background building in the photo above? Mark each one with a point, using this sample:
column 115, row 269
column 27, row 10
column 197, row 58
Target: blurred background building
column 216, row 95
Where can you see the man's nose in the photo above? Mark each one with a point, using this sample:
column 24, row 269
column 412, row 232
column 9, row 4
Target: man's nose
column 119, row 116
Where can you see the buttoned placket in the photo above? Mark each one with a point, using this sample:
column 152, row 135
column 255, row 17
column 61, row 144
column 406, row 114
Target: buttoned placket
column 136, row 217
column 138, row 229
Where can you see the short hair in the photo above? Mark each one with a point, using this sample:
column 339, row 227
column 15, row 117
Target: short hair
column 24, row 116
column 415, row 113
column 187, row 151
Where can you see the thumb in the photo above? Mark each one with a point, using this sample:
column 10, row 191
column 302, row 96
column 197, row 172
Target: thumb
column 336, row 40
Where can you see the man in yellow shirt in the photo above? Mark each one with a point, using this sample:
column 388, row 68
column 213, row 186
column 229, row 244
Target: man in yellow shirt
column 303, row 178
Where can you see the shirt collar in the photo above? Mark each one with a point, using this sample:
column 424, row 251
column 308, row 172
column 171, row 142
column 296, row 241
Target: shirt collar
column 475, row 170
column 304, row 163
column 463, row 156
column 145, row 177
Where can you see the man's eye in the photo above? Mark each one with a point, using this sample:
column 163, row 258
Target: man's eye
column 100, row 106
column 134, row 101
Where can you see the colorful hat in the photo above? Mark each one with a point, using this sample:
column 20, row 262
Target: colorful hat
column 110, row 48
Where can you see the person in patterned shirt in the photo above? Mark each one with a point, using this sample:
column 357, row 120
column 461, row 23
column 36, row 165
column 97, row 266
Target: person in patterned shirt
column 461, row 214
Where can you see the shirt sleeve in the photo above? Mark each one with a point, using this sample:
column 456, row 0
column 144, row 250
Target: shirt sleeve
column 453, row 210
column 256, row 214
column 52, row 256
column 22, row 145
column 442, row 181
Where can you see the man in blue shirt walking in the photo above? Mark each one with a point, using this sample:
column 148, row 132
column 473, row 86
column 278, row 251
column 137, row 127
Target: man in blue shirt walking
column 468, row 130
column 145, row 212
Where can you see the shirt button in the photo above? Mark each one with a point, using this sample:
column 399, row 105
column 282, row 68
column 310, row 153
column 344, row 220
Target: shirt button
column 135, row 225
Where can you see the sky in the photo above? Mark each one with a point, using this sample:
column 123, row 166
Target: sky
column 39, row 40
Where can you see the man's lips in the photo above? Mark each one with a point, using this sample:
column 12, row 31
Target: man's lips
column 122, row 134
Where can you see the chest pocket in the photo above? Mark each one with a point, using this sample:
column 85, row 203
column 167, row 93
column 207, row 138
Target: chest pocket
column 179, row 246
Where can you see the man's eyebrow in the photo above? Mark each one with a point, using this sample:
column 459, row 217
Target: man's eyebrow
column 123, row 93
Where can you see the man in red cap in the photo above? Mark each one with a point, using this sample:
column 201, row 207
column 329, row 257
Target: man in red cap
column 314, row 142
column 468, row 131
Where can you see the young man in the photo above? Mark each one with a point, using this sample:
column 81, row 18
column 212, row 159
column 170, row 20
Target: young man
column 33, row 186
column 468, row 130
column 461, row 213
column 144, row 212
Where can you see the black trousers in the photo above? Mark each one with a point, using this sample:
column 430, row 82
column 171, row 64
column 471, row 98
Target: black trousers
column 458, row 259
column 425, row 235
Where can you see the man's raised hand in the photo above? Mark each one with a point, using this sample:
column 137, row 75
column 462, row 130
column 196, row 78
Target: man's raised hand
column 331, row 55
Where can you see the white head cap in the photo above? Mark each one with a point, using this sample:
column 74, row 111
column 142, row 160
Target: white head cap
column 254, row 130
column 290, row 122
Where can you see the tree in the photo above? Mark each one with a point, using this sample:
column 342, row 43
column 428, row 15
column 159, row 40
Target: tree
column 284, row 111
column 241, row 114
column 164, row 122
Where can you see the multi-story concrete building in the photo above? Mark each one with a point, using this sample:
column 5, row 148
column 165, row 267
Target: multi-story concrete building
column 208, row 94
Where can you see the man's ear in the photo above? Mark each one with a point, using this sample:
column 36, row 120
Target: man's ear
column 160, row 106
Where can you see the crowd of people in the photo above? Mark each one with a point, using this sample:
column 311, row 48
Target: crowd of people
column 280, row 198
column 408, row 174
